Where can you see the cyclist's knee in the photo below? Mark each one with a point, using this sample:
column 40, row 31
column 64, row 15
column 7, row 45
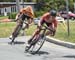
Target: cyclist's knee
column 49, row 33
column 37, row 31
column 39, row 27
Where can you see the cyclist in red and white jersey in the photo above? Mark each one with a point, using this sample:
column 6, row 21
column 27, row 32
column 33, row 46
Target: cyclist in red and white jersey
column 49, row 19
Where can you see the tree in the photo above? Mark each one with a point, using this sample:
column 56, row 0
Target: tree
column 48, row 4
column 7, row 0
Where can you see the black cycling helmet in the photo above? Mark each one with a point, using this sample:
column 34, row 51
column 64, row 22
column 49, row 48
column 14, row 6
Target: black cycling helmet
column 53, row 12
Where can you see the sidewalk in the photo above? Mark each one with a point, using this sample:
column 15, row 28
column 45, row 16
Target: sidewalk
column 5, row 20
column 62, row 43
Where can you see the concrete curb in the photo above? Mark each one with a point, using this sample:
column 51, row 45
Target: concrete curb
column 62, row 43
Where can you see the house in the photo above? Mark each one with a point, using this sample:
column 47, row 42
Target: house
column 8, row 7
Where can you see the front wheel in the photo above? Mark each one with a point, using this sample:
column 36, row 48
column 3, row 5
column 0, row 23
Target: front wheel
column 16, row 33
column 36, row 44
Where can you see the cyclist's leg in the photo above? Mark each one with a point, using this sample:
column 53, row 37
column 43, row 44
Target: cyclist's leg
column 51, row 33
column 23, row 29
column 18, row 24
column 48, row 33
column 37, row 31
column 25, row 26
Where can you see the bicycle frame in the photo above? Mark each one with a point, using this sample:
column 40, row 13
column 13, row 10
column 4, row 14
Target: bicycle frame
column 44, row 30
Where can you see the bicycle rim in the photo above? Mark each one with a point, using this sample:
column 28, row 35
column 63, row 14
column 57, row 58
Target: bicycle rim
column 16, row 33
column 30, row 47
column 37, row 46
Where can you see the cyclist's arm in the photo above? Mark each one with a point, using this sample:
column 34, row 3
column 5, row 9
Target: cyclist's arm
column 55, row 27
column 29, row 22
column 17, row 16
column 55, row 24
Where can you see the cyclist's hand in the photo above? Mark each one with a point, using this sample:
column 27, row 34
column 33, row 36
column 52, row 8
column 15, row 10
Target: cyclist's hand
column 54, row 31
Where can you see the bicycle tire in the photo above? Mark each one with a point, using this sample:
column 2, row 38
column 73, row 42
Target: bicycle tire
column 41, row 40
column 16, row 33
column 33, row 44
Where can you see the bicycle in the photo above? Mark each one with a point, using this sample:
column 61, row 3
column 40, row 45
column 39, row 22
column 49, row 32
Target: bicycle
column 18, row 29
column 37, row 41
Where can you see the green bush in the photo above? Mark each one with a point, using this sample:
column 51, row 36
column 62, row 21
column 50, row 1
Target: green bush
column 0, row 15
column 12, row 15
column 39, row 13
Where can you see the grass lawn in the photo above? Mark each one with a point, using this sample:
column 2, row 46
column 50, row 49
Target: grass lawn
column 62, row 33
column 3, row 17
column 7, row 28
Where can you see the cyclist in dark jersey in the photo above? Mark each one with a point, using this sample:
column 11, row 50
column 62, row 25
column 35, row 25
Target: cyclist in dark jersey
column 25, row 13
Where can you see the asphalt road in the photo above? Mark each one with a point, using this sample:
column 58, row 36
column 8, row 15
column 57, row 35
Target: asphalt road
column 49, row 51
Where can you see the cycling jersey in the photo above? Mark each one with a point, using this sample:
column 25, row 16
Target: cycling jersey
column 46, row 19
column 27, row 11
column 23, row 16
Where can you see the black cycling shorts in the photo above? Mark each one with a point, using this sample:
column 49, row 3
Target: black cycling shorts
column 48, row 24
column 23, row 16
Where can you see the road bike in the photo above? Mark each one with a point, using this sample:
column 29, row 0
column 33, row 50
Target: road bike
column 18, row 29
column 37, row 41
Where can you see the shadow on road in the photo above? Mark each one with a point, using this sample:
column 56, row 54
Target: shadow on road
column 17, row 42
column 39, row 53
column 42, row 53
column 69, row 56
